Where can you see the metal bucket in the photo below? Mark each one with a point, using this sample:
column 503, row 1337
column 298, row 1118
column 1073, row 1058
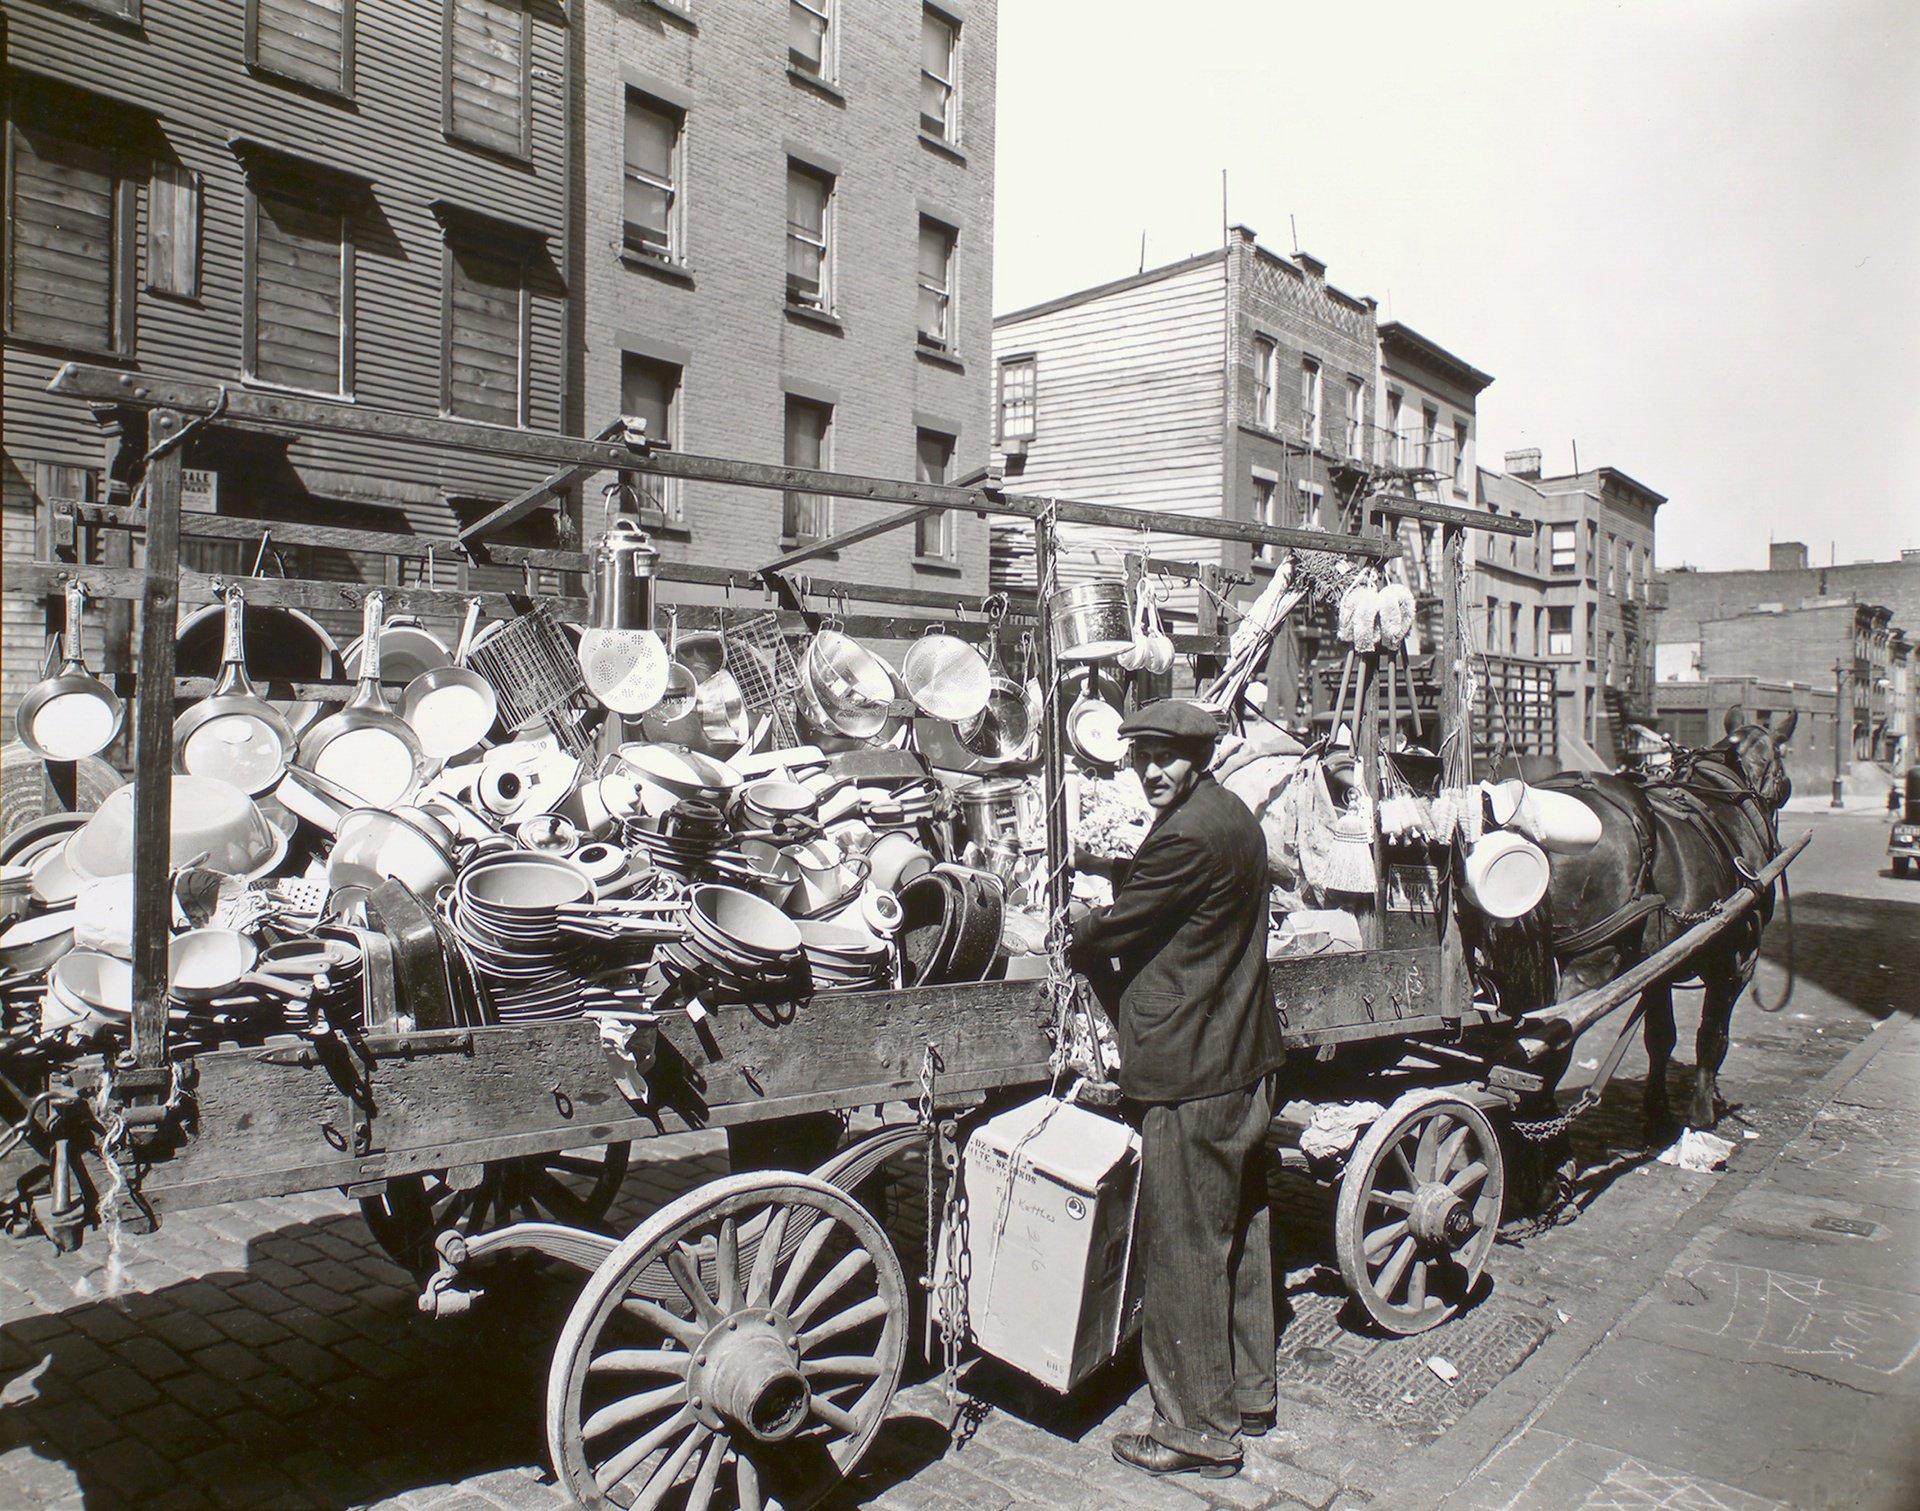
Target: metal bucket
column 1091, row 621
column 990, row 809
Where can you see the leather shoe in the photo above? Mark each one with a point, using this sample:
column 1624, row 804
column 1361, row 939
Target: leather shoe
column 1154, row 1456
column 1256, row 1424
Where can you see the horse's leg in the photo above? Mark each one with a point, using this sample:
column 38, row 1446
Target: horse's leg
column 1656, row 1110
column 1725, row 982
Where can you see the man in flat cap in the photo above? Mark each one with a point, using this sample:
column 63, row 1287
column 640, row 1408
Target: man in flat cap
column 1185, row 942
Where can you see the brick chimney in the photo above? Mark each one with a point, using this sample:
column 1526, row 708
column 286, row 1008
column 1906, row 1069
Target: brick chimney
column 1524, row 463
column 1786, row 556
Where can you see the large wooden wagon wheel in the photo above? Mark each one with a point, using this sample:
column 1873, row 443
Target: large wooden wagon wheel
column 1418, row 1209
column 739, row 1349
column 576, row 1187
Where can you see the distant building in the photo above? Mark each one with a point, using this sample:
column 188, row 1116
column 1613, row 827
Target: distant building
column 789, row 252
column 1580, row 594
column 1694, row 714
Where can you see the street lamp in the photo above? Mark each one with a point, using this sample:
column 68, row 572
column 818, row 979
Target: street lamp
column 1840, row 721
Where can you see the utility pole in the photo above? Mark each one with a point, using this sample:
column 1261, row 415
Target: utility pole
column 1841, row 722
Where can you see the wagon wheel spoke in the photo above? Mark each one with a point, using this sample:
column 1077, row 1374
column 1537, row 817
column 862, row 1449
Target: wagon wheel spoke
column 640, row 1361
column 632, row 1410
column 803, row 1259
column 1380, row 1237
column 701, row 1495
column 1417, row 1286
column 575, row 1164
column 686, row 1334
column 1468, row 1178
column 1450, row 1151
column 1398, row 1155
column 667, row 1474
column 837, row 1417
column 1400, row 1201
column 641, row 1448
column 854, row 1316
column 684, row 1264
column 1424, row 1149
column 1394, row 1268
column 746, row 1478
column 831, row 1284
column 854, row 1366
column 767, row 1257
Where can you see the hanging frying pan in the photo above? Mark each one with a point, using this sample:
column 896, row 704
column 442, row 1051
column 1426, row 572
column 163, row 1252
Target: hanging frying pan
column 281, row 645
column 74, row 715
column 235, row 734
column 451, row 707
column 367, row 748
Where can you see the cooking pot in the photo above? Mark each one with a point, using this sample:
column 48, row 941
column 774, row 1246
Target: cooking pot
column 990, row 808
column 1091, row 621
column 850, row 686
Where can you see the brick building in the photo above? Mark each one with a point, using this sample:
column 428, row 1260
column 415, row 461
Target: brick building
column 1695, row 714
column 788, row 257
column 356, row 201
column 1587, row 591
column 1790, row 577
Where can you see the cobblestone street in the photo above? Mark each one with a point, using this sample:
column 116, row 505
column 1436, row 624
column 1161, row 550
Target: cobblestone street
column 267, row 1354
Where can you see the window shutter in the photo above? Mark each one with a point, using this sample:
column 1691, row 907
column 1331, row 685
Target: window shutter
column 487, row 74
column 61, row 283
column 299, row 291
column 485, row 338
column 173, row 230
column 308, row 40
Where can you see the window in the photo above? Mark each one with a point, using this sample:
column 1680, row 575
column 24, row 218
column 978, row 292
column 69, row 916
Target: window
column 1610, row 560
column 120, row 10
column 936, row 283
column 1308, row 498
column 486, row 335
column 70, row 242
column 1607, row 664
column 651, row 182
column 1391, row 440
column 807, row 516
column 173, row 230
column 1430, row 439
column 486, row 62
column 1593, row 547
column 1356, row 418
column 1310, row 401
column 939, row 75
column 1563, row 544
column 1266, row 358
column 933, row 534
column 809, row 237
column 299, row 326
column 1560, row 630
column 1593, row 636
column 1513, row 629
column 1266, row 511
column 1019, row 393
column 308, row 41
column 810, row 36
column 650, row 391
column 1459, row 452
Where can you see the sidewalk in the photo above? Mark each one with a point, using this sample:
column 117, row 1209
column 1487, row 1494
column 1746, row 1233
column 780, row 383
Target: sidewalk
column 1775, row 1362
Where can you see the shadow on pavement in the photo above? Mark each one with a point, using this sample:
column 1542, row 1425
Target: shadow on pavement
column 1831, row 935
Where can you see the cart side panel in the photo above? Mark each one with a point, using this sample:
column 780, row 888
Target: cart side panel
column 1328, row 999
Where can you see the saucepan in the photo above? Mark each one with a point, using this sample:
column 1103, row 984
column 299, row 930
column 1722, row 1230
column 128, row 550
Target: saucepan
column 1091, row 620
column 74, row 715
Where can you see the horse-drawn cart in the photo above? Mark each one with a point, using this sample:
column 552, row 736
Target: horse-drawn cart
column 742, row 1345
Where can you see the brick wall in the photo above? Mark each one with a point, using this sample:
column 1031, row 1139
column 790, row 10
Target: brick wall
column 1696, row 596
column 722, row 317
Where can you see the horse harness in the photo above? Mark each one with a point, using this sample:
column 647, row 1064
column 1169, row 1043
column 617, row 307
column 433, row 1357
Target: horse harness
column 1694, row 794
column 1642, row 901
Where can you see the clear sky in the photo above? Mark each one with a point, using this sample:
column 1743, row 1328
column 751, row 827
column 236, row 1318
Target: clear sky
column 1683, row 233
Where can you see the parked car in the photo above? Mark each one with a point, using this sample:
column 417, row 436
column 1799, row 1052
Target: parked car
column 1903, row 844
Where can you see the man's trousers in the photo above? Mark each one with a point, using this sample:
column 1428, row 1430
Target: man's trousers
column 1207, row 1335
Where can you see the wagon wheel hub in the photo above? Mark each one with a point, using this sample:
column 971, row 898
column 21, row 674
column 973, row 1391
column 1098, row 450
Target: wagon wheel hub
column 747, row 1372
column 1439, row 1219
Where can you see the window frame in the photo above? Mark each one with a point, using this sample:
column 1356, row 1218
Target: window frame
column 249, row 301
column 123, row 271
column 944, row 523
column 1312, row 399
column 1266, row 511
column 523, row 363
column 676, row 253
column 1461, row 433
column 1266, row 361
column 948, row 131
column 1356, row 419
column 1031, row 362
column 191, row 185
column 127, row 11
column 1396, row 404
column 1309, row 496
column 1570, row 535
column 947, row 345
column 342, row 81
column 449, row 126
column 825, row 303
column 670, row 491
column 829, row 69
column 791, row 499
column 1559, row 641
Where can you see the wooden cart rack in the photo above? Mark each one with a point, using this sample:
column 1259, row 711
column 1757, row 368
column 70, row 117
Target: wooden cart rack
column 696, row 1358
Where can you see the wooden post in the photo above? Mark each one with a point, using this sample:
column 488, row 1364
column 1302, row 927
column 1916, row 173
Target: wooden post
column 1052, row 758
column 1452, row 651
column 153, row 748
column 1366, row 759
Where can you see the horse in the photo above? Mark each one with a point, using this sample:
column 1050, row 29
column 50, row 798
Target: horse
column 1669, row 850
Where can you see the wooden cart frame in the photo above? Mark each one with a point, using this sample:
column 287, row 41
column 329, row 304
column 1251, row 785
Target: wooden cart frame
column 734, row 1290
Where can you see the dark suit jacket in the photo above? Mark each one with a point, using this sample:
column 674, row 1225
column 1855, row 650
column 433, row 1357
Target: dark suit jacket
column 1186, row 942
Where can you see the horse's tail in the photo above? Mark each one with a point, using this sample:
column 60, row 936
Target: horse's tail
column 1517, row 960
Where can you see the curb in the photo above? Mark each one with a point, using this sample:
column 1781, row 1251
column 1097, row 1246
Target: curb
column 1510, row 1407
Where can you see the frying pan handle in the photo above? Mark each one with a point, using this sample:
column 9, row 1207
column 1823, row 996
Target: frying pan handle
column 231, row 651
column 372, row 620
column 466, row 632
column 71, row 642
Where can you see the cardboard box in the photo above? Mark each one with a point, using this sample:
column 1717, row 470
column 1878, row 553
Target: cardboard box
column 1047, row 1229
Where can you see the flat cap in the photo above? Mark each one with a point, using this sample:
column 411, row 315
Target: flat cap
column 1171, row 719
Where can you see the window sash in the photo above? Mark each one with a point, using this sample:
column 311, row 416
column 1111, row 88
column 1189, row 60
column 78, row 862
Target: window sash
column 1356, row 398
column 651, row 390
column 1266, row 511
column 1018, row 382
column 810, row 36
column 934, row 534
column 809, row 238
column 1563, row 546
column 937, row 243
column 809, row 443
column 1310, row 400
column 939, row 75
column 1263, row 360
column 300, row 277
column 650, row 185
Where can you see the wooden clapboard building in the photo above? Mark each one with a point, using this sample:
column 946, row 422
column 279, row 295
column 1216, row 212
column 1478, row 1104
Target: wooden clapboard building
column 360, row 200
